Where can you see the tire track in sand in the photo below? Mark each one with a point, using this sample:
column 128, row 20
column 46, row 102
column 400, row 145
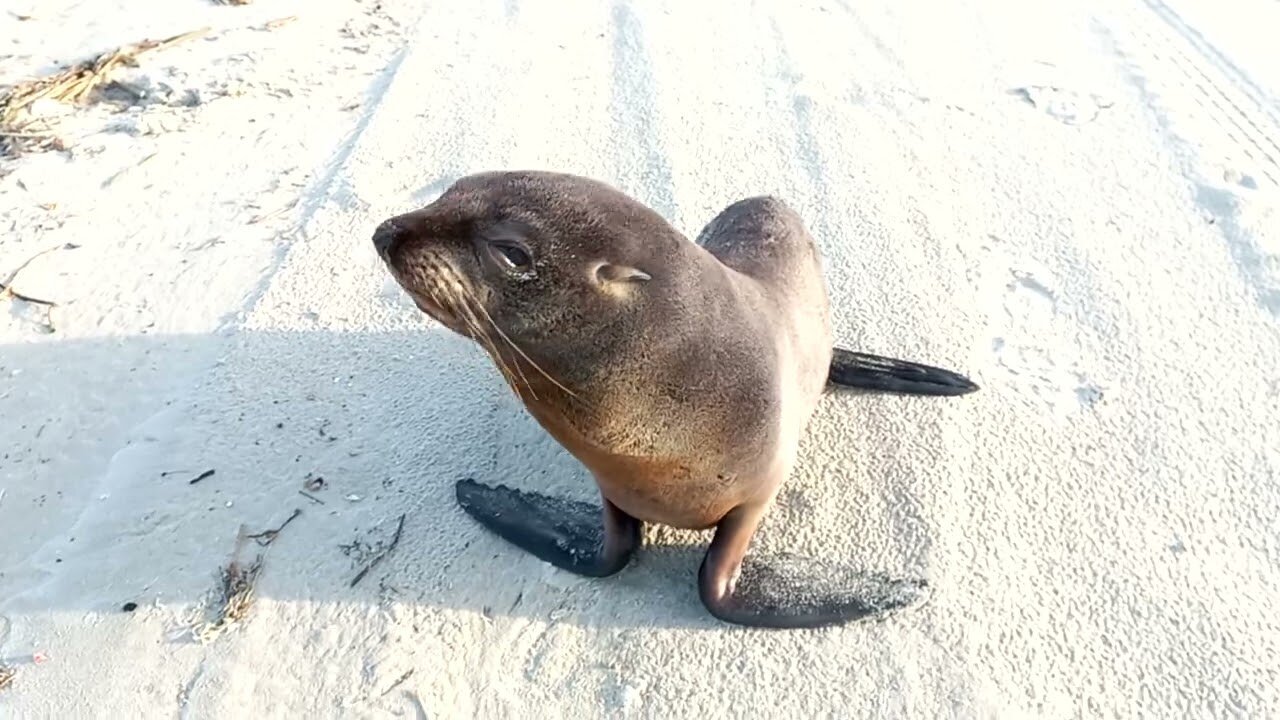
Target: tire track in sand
column 1214, row 117
column 1224, row 94
column 330, row 184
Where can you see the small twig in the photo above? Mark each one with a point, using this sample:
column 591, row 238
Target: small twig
column 279, row 22
column 25, row 135
column 201, row 476
column 310, row 497
column 266, row 537
column 274, row 213
column 6, row 287
column 122, row 171
column 8, row 291
column 399, row 681
column 395, row 540
column 208, row 244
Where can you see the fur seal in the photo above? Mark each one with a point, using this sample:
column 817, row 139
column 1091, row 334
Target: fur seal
column 681, row 373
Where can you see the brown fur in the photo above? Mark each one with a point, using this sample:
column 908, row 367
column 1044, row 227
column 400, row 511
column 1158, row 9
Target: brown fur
column 685, row 394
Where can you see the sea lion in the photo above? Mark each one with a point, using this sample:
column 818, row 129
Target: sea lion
column 681, row 373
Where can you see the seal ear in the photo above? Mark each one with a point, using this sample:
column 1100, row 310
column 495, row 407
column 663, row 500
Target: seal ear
column 608, row 272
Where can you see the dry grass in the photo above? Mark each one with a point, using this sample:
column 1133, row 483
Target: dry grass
column 235, row 596
column 236, row 601
column 7, row 674
column 20, row 130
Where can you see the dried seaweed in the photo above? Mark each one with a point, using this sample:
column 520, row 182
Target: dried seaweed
column 19, row 129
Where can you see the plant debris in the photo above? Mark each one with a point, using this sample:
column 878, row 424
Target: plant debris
column 273, row 214
column 7, row 674
column 266, row 537
column 279, row 22
column 7, row 291
column 107, row 183
column 73, row 84
column 6, row 287
column 202, row 476
column 395, row 540
column 399, row 681
column 238, row 579
column 311, row 497
column 236, row 595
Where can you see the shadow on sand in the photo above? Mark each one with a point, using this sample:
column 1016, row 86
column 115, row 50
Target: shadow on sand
column 104, row 438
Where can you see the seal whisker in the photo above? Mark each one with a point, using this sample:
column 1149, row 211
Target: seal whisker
column 460, row 304
column 516, row 347
column 459, row 308
column 487, row 340
column 502, row 362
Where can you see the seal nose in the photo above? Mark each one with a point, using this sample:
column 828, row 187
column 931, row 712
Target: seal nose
column 387, row 235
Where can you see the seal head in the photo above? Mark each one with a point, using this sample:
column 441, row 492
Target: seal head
column 534, row 258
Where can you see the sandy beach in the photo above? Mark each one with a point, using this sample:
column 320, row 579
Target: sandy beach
column 1076, row 205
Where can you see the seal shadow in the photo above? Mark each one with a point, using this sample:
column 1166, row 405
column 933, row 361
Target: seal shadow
column 350, row 430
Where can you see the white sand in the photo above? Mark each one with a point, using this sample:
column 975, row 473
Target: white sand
column 1099, row 523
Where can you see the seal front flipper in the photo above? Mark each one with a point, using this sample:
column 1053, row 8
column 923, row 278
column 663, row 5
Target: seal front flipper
column 790, row 592
column 575, row 536
column 876, row 372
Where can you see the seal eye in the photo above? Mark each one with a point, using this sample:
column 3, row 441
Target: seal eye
column 510, row 256
column 516, row 257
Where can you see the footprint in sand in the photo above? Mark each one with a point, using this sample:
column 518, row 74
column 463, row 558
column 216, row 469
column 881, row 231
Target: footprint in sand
column 1243, row 179
column 1026, row 289
column 1032, row 319
column 1064, row 94
column 1070, row 107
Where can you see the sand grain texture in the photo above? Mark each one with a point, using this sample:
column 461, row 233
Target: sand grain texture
column 1076, row 207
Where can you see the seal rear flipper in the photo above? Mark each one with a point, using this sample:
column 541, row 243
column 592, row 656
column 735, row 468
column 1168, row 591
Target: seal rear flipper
column 876, row 372
column 775, row 594
column 575, row 536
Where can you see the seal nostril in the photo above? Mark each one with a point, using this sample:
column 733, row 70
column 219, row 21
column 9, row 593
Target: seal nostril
column 387, row 234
